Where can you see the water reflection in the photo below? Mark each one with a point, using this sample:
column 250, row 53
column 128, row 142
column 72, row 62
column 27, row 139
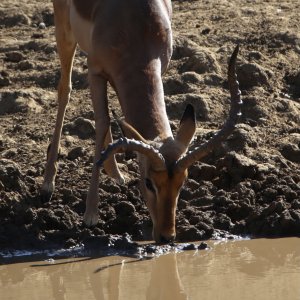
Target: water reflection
column 165, row 281
column 261, row 269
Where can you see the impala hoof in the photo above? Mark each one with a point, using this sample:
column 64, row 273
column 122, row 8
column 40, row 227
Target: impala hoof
column 90, row 219
column 46, row 192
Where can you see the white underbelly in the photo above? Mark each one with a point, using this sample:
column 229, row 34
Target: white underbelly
column 82, row 29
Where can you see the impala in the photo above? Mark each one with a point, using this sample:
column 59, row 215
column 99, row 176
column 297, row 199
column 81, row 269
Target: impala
column 129, row 44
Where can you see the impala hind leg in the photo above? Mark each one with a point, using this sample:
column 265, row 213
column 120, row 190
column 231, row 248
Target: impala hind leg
column 66, row 45
column 98, row 87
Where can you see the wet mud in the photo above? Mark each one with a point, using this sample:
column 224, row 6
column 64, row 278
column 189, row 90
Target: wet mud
column 250, row 186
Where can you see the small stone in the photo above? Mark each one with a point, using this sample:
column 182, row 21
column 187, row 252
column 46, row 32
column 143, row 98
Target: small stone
column 201, row 61
column 82, row 127
column 254, row 55
column 291, row 152
column 124, row 208
column 213, row 80
column 189, row 247
column 151, row 249
column 174, row 85
column 125, row 242
column 190, row 233
column 25, row 65
column 76, row 153
column 203, row 246
column 238, row 166
column 251, row 75
column 18, row 101
column 13, row 18
column 11, row 175
column 191, row 77
column 4, row 81
column 205, row 31
column 14, row 56
column 42, row 25
column 296, row 204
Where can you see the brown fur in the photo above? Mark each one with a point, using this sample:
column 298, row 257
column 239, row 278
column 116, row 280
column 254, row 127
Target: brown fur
column 130, row 45
column 86, row 8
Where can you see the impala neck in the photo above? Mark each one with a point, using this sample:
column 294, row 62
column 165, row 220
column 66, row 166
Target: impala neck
column 141, row 97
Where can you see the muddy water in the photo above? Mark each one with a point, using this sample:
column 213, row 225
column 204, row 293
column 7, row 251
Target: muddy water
column 249, row 269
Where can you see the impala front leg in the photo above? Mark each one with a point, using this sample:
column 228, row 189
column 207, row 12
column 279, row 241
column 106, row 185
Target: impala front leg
column 66, row 45
column 98, row 87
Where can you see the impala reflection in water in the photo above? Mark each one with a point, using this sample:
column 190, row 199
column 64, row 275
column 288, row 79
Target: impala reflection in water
column 252, row 269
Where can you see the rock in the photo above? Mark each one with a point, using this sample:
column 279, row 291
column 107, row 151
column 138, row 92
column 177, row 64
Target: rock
column 242, row 136
column 189, row 247
column 10, row 153
column 176, row 107
column 45, row 16
column 48, row 16
column 202, row 171
column 289, row 37
column 125, row 243
column 191, row 77
column 80, row 79
column 42, row 25
column 286, row 221
column 4, row 81
column 124, row 208
column 11, row 176
column 190, row 233
column 14, row 102
column 10, row 18
column 213, row 80
column 254, row 55
column 202, row 61
column 14, row 56
column 251, row 75
column 296, row 204
column 110, row 186
column 25, row 65
column 205, row 31
column 83, row 128
column 199, row 59
column 291, row 152
column 151, row 249
column 33, row 46
column 174, row 85
column 183, row 47
column 223, row 222
column 76, row 152
column 274, row 207
column 238, row 166
column 253, row 110
column 293, row 78
column 203, row 246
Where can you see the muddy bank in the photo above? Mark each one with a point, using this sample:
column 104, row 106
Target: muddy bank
column 249, row 186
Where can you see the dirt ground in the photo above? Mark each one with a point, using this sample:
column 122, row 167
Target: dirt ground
column 249, row 186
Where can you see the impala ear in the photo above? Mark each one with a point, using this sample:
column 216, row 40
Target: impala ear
column 129, row 132
column 187, row 126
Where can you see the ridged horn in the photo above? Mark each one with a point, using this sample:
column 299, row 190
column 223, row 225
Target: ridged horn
column 124, row 144
column 234, row 114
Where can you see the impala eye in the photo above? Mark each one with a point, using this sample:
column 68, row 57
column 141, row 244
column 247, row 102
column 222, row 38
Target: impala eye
column 149, row 185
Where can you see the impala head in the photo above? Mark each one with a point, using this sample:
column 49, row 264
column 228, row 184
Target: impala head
column 161, row 181
column 164, row 163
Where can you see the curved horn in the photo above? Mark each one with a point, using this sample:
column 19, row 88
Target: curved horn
column 234, row 114
column 124, row 144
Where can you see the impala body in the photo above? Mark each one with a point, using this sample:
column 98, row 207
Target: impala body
column 129, row 45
